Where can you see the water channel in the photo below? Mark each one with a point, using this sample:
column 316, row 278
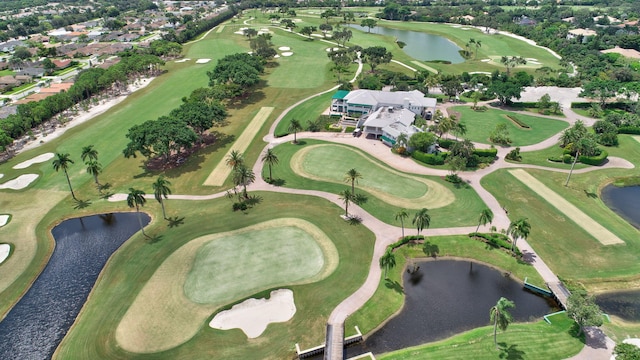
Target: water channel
column 421, row 46
column 447, row 297
column 38, row 322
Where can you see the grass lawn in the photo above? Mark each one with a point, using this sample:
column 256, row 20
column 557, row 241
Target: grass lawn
column 540, row 340
column 540, row 157
column 462, row 212
column 481, row 124
column 309, row 110
column 136, row 262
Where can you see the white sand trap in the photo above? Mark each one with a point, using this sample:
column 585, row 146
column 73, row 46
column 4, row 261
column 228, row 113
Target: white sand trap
column 253, row 315
column 317, row 35
column 264, row 30
column 297, row 20
column 284, row 48
column 6, row 248
column 4, row 219
column 20, row 182
column 239, row 32
column 485, row 60
column 250, row 52
column 531, row 59
column 202, row 61
column 480, row 72
column 36, row 160
column 276, row 56
column 287, row 53
column 182, row 60
column 596, row 230
column 1, row 175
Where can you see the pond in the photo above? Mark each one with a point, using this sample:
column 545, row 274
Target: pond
column 421, row 46
column 624, row 304
column 624, row 201
column 447, row 297
column 38, row 322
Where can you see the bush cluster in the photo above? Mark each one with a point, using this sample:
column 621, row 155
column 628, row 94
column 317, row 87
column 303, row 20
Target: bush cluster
column 405, row 240
column 565, row 158
column 594, row 160
column 430, row 159
column 496, row 240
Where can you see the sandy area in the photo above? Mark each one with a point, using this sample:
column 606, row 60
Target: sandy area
column 182, row 60
column 6, row 248
column 284, row 48
column 84, row 116
column 253, row 315
column 202, row 61
column 276, row 56
column 36, row 160
column 287, row 53
column 20, row 182
column 4, row 219
column 596, row 230
column 332, row 49
column 485, row 60
column 1, row 176
column 222, row 171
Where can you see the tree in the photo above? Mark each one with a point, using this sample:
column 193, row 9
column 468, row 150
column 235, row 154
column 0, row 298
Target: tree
column 325, row 28
column 270, row 158
column 518, row 229
column 235, row 159
column 387, row 261
column 511, row 62
column 250, row 32
column 402, row 139
column 295, row 126
column 88, row 152
column 346, row 196
column 352, row 176
column 451, row 85
column 401, row 215
column 460, row 129
column 505, row 88
column 583, row 310
column 327, row 14
column 342, row 36
column 486, row 216
column 136, row 199
column 161, row 190
column 243, row 176
column 62, row 161
column 624, row 351
column 422, row 141
column 477, row 44
column 48, row 66
column 500, row 316
column 341, row 59
column 600, row 89
column 375, row 56
column 369, row 23
column 94, row 169
column 544, row 103
column 308, row 30
column 421, row 219
column 500, row 135
column 288, row 23
column 456, row 163
column 587, row 146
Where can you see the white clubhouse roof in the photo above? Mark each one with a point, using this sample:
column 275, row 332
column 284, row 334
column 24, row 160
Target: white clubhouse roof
column 386, row 116
column 376, row 98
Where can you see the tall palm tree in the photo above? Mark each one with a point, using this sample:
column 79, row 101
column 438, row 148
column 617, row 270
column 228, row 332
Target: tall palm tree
column 477, row 44
column 402, row 140
column 352, row 176
column 243, row 176
column 270, row 158
column 62, row 161
column 235, row 159
column 500, row 316
column 88, row 152
column 401, row 215
column 421, row 219
column 136, row 199
column 387, row 261
column 94, row 168
column 518, row 229
column 346, row 196
column 295, row 126
column 460, row 129
column 161, row 191
column 486, row 217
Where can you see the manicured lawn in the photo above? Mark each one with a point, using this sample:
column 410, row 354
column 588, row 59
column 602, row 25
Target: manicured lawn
column 481, row 124
column 134, row 264
column 540, row 157
column 462, row 212
column 309, row 110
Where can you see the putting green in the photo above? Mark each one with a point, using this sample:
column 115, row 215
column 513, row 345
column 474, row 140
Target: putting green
column 217, row 269
column 331, row 162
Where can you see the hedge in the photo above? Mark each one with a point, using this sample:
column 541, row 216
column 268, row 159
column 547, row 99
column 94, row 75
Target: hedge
column 594, row 160
column 496, row 240
column 492, row 152
column 633, row 130
column 587, row 105
column 524, row 105
column 518, row 121
column 446, row 143
column 565, row 158
column 405, row 240
column 430, row 159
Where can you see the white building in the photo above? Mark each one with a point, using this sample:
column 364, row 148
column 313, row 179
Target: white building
column 354, row 104
column 388, row 123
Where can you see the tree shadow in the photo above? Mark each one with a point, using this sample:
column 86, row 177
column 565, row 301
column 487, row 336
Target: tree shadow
column 175, row 221
column 591, row 195
column 430, row 249
column 81, row 204
column 278, row 182
column 527, row 258
column 510, row 352
column 394, row 285
column 299, row 142
column 154, row 239
column 354, row 220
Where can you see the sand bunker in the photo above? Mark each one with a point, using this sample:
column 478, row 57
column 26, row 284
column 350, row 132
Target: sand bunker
column 284, row 48
column 1, row 176
column 276, row 56
column 20, row 182
column 287, row 53
column 202, row 61
column 486, row 60
column 4, row 219
column 332, row 49
column 6, row 248
column 239, row 32
column 531, row 59
column 36, row 160
column 182, row 60
column 253, row 315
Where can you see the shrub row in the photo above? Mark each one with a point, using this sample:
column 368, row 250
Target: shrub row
column 486, row 153
column 430, row 159
column 405, row 240
column 633, row 130
column 565, row 158
column 496, row 240
column 594, row 160
column 587, row 105
column 446, row 143
column 524, row 105
column 518, row 121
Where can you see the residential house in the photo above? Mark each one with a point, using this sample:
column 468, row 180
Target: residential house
column 354, row 104
column 31, row 71
column 10, row 46
column 8, row 82
column 387, row 123
column 526, row 21
column 62, row 64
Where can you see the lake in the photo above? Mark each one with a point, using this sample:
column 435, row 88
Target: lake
column 624, row 201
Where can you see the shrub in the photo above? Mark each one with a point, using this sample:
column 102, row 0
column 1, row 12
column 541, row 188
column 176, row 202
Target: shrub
column 565, row 158
column 492, row 152
column 633, row 130
column 514, row 155
column 430, row 159
column 446, row 143
column 518, row 121
column 594, row 160
column 350, row 129
column 453, row 178
column 405, row 240
column 332, row 128
column 496, row 240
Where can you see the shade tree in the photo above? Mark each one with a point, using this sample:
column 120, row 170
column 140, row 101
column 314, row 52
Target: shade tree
column 583, row 310
column 376, row 55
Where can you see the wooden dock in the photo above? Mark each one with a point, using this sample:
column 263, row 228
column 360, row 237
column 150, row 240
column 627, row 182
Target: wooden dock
column 556, row 291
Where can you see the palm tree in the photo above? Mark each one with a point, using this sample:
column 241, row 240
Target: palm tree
column 402, row 140
column 500, row 316
column 352, row 176
column 478, row 44
column 161, row 190
column 486, row 216
column 421, row 219
column 243, row 176
column 136, row 199
column 387, row 261
column 88, row 152
column 270, row 158
column 460, row 129
column 62, row 161
column 346, row 196
column 235, row 159
column 518, row 229
column 94, row 168
column 401, row 215
column 295, row 126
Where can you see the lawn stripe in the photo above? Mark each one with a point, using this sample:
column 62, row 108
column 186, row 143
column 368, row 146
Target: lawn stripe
column 222, row 171
column 637, row 138
column 220, row 28
column 426, row 67
column 603, row 235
